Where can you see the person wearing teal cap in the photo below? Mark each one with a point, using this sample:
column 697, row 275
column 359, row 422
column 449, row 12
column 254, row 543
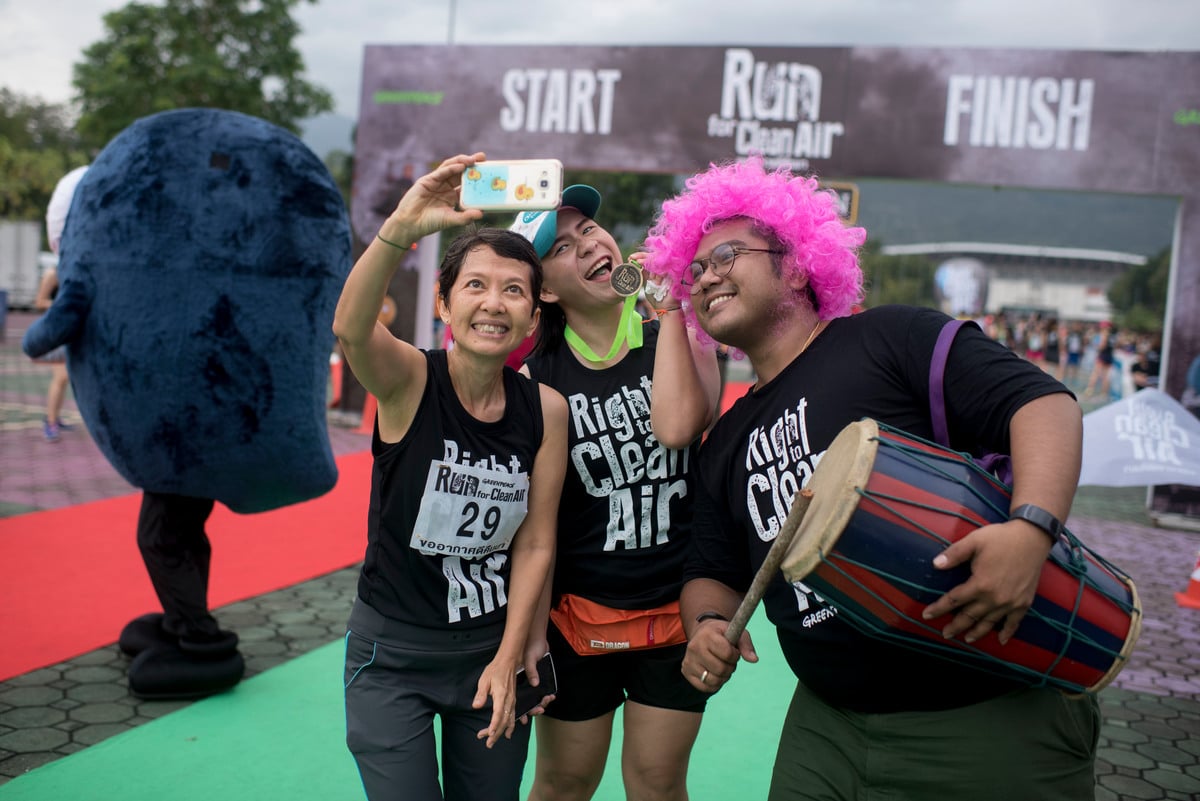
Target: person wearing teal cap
column 541, row 227
column 640, row 395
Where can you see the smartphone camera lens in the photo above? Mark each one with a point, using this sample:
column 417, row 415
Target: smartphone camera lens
column 544, row 184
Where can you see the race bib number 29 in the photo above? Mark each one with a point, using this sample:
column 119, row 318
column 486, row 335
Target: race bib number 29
column 469, row 511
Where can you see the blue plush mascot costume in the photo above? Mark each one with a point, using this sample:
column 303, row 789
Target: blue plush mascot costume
column 201, row 261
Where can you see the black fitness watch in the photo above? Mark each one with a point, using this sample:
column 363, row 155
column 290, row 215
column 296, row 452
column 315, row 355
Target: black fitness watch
column 703, row 616
column 1040, row 518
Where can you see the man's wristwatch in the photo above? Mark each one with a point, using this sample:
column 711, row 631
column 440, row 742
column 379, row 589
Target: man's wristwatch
column 1040, row 518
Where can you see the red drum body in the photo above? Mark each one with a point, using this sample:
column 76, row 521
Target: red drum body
column 885, row 504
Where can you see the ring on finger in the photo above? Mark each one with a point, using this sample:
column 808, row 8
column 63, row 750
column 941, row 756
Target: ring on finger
column 704, row 677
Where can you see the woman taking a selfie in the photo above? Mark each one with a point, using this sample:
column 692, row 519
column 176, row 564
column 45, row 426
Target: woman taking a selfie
column 468, row 464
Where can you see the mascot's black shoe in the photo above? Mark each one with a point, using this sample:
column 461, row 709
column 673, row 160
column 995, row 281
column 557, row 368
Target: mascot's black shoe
column 143, row 633
column 146, row 632
column 187, row 668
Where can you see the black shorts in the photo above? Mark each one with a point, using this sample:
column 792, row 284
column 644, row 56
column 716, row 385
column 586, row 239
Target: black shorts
column 594, row 685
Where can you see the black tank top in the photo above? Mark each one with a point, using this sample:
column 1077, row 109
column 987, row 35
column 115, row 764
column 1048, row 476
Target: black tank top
column 626, row 508
column 445, row 502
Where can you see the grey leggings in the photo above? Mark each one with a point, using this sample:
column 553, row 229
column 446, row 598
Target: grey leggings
column 397, row 679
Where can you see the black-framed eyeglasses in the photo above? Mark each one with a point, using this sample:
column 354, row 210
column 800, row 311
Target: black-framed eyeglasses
column 720, row 260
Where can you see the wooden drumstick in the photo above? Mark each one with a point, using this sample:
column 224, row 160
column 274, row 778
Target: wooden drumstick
column 770, row 566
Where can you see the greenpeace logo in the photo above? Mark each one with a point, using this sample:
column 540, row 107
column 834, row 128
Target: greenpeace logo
column 1187, row 116
column 386, row 97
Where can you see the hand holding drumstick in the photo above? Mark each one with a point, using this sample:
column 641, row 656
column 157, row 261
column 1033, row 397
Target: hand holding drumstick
column 714, row 650
column 770, row 566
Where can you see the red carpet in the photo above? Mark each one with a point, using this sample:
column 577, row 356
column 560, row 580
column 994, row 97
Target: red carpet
column 71, row 578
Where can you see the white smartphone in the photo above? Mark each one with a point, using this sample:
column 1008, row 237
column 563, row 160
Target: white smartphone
column 517, row 185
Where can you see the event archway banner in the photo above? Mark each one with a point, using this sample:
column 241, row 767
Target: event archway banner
column 1055, row 119
column 1119, row 122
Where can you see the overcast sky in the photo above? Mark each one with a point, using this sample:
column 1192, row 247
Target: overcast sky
column 40, row 40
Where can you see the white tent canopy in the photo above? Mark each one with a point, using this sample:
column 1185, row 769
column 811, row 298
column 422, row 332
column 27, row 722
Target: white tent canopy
column 1146, row 439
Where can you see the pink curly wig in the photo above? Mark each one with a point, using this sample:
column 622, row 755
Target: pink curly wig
column 802, row 216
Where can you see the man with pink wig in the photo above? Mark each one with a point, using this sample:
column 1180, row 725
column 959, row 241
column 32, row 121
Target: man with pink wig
column 761, row 262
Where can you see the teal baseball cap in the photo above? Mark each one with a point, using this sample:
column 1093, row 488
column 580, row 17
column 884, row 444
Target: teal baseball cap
column 539, row 227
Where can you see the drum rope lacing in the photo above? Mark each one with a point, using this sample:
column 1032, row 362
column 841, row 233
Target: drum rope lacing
column 1074, row 564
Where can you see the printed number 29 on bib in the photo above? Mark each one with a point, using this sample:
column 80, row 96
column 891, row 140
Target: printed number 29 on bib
column 469, row 511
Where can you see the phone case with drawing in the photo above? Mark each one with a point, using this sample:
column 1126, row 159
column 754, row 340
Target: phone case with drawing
column 521, row 185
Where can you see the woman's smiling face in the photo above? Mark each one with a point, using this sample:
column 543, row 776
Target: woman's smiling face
column 580, row 261
column 491, row 308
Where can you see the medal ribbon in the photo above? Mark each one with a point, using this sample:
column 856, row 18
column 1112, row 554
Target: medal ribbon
column 629, row 329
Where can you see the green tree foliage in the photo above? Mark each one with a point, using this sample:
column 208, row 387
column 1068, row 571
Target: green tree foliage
column 228, row 54
column 37, row 147
column 29, row 123
column 896, row 279
column 1139, row 295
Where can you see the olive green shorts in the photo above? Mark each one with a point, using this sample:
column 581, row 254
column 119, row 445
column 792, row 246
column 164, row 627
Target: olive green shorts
column 1032, row 745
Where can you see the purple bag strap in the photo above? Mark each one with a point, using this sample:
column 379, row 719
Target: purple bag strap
column 937, row 368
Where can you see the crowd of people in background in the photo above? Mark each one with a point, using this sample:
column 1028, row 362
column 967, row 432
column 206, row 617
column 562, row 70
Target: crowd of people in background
column 1090, row 357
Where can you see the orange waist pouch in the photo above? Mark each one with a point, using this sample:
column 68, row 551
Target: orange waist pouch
column 593, row 628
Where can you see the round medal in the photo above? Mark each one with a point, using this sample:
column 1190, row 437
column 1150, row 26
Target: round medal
column 626, row 279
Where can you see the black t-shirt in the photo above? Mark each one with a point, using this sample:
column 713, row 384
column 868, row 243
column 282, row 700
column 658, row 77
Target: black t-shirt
column 625, row 512
column 874, row 364
column 444, row 500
